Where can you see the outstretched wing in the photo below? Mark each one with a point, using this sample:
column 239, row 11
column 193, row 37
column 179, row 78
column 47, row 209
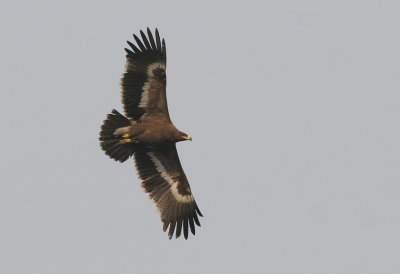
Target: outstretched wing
column 144, row 82
column 167, row 185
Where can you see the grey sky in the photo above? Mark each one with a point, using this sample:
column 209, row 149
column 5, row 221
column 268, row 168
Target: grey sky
column 294, row 111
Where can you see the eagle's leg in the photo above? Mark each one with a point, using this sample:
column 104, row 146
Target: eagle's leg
column 123, row 132
column 128, row 133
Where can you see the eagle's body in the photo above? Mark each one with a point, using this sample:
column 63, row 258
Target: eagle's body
column 152, row 130
column 149, row 135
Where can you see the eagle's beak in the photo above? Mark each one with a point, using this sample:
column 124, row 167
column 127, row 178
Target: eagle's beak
column 187, row 137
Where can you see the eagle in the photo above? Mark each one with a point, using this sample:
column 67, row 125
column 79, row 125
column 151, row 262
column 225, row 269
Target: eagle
column 147, row 133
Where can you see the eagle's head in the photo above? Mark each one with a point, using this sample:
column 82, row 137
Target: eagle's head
column 183, row 137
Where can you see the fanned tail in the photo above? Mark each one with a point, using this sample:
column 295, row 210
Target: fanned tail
column 112, row 144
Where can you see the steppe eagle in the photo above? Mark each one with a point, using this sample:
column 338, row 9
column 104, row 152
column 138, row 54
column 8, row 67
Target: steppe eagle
column 147, row 133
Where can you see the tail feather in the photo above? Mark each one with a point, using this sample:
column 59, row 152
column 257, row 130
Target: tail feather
column 110, row 143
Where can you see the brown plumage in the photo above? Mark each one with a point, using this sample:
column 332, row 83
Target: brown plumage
column 148, row 134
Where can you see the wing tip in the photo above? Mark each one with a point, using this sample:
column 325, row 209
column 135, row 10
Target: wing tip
column 147, row 46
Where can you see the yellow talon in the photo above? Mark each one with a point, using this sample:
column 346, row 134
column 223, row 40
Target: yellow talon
column 126, row 138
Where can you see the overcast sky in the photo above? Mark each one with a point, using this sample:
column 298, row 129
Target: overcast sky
column 294, row 111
